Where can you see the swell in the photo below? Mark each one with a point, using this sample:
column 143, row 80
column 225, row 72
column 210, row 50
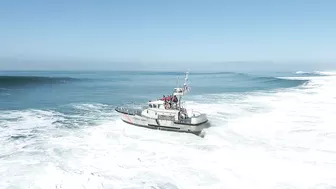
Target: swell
column 13, row 81
column 222, row 73
column 315, row 73
column 176, row 73
column 260, row 80
column 281, row 82
column 236, row 76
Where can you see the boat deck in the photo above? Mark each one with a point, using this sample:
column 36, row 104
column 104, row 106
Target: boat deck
column 129, row 111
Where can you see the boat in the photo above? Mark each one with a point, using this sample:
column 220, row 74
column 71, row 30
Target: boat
column 166, row 114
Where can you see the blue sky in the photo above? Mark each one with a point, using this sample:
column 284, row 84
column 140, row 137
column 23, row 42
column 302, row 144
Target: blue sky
column 91, row 34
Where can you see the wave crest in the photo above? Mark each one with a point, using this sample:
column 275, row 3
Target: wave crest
column 283, row 82
column 314, row 73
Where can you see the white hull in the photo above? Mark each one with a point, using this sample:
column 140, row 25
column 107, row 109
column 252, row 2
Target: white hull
column 167, row 125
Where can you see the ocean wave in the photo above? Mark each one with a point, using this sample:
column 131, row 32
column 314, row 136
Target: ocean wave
column 219, row 73
column 291, row 131
column 314, row 73
column 282, row 82
column 10, row 81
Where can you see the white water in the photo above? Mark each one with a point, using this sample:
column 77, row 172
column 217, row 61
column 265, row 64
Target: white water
column 284, row 139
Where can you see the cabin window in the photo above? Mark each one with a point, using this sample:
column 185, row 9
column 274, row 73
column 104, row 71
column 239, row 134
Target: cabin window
column 154, row 105
column 150, row 105
column 159, row 106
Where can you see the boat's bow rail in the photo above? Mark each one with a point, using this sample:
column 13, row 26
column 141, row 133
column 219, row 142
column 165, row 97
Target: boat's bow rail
column 128, row 110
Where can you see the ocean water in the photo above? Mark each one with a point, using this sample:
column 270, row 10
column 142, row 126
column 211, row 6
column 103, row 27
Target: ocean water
column 268, row 130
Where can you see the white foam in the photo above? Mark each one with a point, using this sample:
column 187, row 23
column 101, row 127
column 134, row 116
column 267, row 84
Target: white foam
column 90, row 107
column 331, row 73
column 284, row 139
column 322, row 73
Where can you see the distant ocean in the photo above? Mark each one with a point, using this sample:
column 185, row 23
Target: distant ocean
column 269, row 130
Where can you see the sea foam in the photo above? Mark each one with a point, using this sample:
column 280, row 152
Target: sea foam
column 280, row 139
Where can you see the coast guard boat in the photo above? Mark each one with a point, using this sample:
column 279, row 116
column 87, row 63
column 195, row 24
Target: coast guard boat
column 167, row 114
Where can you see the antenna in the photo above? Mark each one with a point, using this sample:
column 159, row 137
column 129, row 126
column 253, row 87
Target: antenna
column 185, row 85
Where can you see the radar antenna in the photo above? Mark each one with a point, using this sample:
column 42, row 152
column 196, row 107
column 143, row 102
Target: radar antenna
column 186, row 87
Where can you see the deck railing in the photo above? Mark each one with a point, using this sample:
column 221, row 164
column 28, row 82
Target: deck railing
column 185, row 121
column 127, row 110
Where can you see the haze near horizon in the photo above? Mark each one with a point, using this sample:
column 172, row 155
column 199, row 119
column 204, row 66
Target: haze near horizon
column 174, row 35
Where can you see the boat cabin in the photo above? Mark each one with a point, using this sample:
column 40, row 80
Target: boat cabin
column 157, row 104
column 178, row 92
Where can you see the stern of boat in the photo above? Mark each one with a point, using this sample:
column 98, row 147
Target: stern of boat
column 197, row 117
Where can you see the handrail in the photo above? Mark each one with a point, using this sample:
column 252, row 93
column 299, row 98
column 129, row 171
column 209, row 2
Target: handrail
column 129, row 111
column 185, row 121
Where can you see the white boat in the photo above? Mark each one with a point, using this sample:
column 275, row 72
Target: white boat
column 166, row 114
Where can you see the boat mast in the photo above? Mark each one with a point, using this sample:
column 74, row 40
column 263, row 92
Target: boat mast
column 179, row 103
column 185, row 87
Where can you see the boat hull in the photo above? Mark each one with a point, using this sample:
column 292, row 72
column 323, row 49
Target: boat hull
column 166, row 125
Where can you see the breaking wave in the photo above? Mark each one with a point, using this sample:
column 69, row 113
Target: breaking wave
column 282, row 81
column 314, row 73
